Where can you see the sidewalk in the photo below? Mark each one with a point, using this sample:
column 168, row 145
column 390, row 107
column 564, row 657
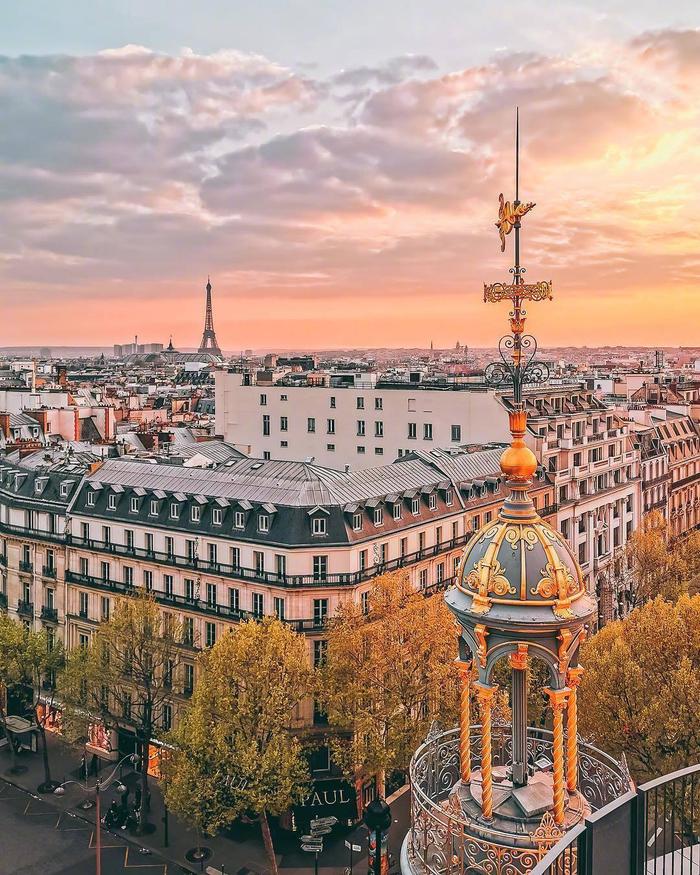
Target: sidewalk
column 240, row 850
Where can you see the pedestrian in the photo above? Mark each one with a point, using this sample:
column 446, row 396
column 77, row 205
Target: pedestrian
column 137, row 797
column 83, row 767
column 148, row 799
column 125, row 798
column 95, row 765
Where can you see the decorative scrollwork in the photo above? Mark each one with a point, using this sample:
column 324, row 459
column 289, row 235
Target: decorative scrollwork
column 535, row 374
column 541, row 291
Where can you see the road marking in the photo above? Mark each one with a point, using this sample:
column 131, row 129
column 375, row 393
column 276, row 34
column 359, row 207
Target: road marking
column 127, row 865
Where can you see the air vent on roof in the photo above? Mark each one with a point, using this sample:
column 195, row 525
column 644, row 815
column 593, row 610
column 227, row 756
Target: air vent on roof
column 257, row 465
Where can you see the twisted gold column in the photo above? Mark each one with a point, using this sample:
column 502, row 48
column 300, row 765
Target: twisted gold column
column 573, row 679
column 558, row 699
column 465, row 753
column 486, row 695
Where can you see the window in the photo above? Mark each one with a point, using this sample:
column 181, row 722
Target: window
column 320, row 568
column 456, row 431
column 191, row 550
column 258, row 604
column 85, row 531
column 415, row 506
column 134, row 505
column 211, row 595
column 188, row 638
column 440, row 572
column 148, row 580
column 320, row 650
column 216, row 516
column 360, row 428
column 311, row 424
column 111, row 501
column 378, row 516
column 154, row 508
column 167, row 721
column 284, row 443
column 423, row 578
column 378, row 404
column 104, row 571
column 91, row 499
column 168, row 584
column 234, row 599
column 280, row 565
column 266, row 425
column 263, row 400
column 357, row 521
column 449, row 497
column 236, row 557
column 189, row 675
column 432, row 501
column 104, row 608
column 284, row 423
column 360, row 403
column 279, row 608
column 330, row 448
column 438, row 535
column 239, row 520
column 82, row 565
column 189, row 589
column 319, row 526
column 128, row 576
column 331, row 426
column 379, row 428
column 364, row 602
column 83, row 641
column 421, row 541
column 263, row 522
column 210, row 634
column 169, row 546
column 107, row 534
column 283, row 397
column 412, row 427
column 259, row 561
column 403, row 547
column 213, row 554
column 361, row 450
column 129, row 539
column 379, row 451
column 363, row 560
column 320, row 611
column 195, row 513
column 397, row 510
column 332, row 400
column 174, row 510
column 427, row 431
column 83, row 604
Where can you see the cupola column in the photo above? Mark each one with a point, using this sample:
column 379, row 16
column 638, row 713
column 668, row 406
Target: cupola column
column 519, row 677
column 486, row 696
column 465, row 753
column 573, row 679
column 557, row 701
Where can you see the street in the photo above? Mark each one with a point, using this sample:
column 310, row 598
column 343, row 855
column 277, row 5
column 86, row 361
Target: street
column 36, row 837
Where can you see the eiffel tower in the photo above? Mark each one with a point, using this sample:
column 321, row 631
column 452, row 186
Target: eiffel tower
column 209, row 343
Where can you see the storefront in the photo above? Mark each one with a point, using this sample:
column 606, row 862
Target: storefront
column 330, row 797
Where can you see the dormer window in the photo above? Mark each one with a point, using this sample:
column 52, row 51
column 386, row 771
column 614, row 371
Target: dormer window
column 112, row 502
column 357, row 521
column 378, row 516
column 239, row 519
column 318, row 526
column 64, row 490
column 449, row 498
column 194, row 514
column 37, row 486
column 397, row 511
column 263, row 522
column 91, row 499
column 216, row 516
column 432, row 501
column 174, row 510
column 154, row 508
column 415, row 506
column 134, row 505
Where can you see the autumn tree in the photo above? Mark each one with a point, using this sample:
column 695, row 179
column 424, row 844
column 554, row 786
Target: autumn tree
column 641, row 687
column 389, row 673
column 235, row 749
column 126, row 677
column 29, row 660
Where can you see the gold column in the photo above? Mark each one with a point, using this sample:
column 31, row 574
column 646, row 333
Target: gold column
column 573, row 679
column 558, row 699
column 486, row 695
column 465, row 753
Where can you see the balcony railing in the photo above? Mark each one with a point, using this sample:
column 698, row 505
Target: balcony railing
column 653, row 831
column 221, row 569
column 49, row 571
column 444, row 840
column 26, row 567
column 25, row 609
column 49, row 614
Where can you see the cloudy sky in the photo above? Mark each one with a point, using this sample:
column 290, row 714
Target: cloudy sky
column 336, row 167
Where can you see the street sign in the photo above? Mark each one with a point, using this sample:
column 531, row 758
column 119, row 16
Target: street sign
column 321, row 830
column 313, row 849
column 323, row 821
column 356, row 848
column 312, row 839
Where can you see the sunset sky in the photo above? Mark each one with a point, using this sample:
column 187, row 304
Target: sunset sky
column 336, row 168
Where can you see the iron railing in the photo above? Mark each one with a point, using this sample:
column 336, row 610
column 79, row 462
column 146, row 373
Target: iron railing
column 653, row 831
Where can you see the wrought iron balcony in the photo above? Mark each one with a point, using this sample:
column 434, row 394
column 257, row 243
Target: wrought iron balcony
column 49, row 571
column 49, row 614
column 444, row 840
column 25, row 609
column 26, row 567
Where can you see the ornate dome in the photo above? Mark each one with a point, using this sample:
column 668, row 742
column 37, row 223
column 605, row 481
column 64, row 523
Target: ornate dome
column 518, row 568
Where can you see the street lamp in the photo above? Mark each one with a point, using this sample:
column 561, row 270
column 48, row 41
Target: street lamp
column 377, row 819
column 61, row 789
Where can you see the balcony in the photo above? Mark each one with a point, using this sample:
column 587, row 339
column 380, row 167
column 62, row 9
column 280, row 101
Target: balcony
column 445, row 840
column 291, row 581
column 49, row 571
column 25, row 609
column 652, row 830
column 50, row 615
column 26, row 567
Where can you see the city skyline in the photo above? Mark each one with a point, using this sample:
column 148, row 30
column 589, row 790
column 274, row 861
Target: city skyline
column 345, row 199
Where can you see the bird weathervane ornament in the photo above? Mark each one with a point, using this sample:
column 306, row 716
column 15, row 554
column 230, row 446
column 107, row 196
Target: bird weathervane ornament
column 517, row 350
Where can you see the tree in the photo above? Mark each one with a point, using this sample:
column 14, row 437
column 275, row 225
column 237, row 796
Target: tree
column 389, row 673
column 641, row 687
column 235, row 751
column 29, row 660
column 126, row 677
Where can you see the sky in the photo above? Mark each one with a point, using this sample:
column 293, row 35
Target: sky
column 335, row 167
